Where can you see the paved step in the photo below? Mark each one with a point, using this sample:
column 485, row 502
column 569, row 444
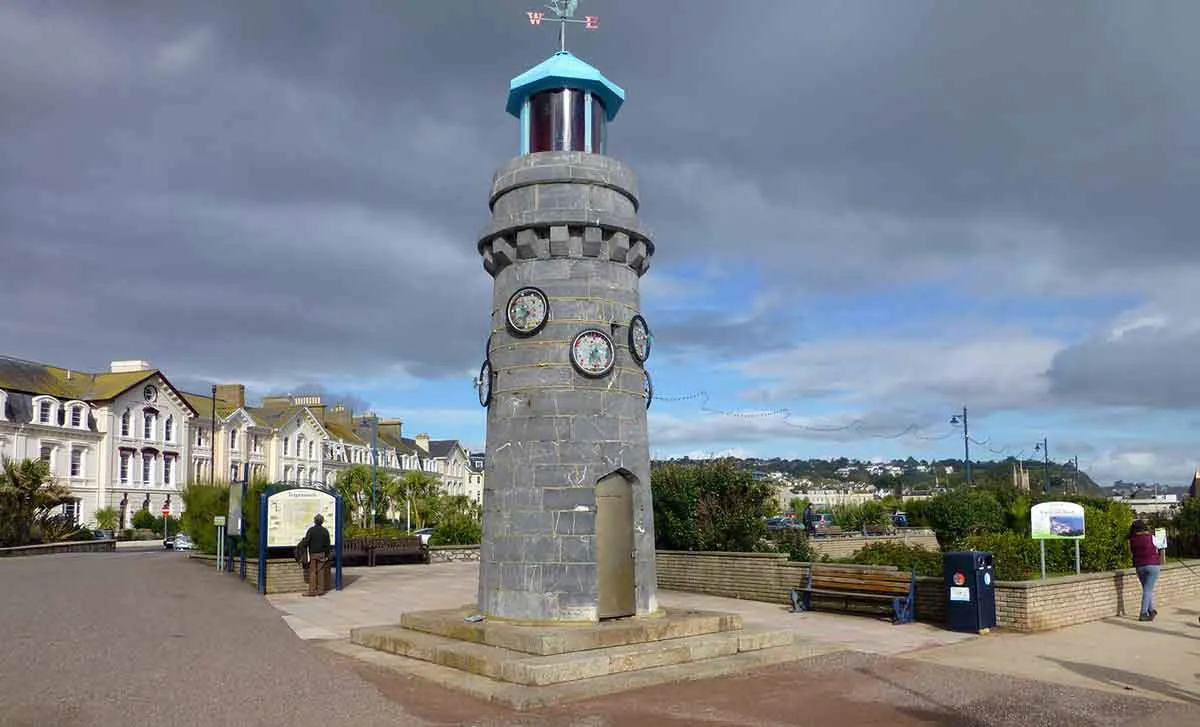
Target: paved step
column 524, row 697
column 517, row 667
column 547, row 639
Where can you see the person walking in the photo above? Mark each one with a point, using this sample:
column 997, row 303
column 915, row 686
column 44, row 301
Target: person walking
column 1146, row 561
column 810, row 521
column 316, row 541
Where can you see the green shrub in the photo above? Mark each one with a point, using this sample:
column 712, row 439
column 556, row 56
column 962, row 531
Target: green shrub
column 855, row 516
column 143, row 520
column 711, row 505
column 457, row 529
column 107, row 518
column 795, row 543
column 903, row 556
column 963, row 512
column 202, row 503
column 382, row 531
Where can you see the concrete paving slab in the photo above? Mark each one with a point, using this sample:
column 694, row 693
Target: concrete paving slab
column 1155, row 660
column 378, row 596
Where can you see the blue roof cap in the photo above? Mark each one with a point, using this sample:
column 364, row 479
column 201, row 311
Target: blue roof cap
column 563, row 70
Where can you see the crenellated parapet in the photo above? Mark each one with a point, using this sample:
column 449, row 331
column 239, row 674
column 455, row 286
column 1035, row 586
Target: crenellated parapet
column 566, row 205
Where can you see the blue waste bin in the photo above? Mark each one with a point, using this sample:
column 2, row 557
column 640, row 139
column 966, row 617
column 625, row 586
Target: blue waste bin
column 970, row 583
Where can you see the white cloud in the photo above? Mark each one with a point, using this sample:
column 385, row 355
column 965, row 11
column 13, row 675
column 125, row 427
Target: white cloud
column 1003, row 370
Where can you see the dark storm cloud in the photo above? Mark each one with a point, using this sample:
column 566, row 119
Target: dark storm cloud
column 285, row 190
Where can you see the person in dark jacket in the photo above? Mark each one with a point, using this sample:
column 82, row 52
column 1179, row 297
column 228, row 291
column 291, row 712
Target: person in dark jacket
column 316, row 541
column 1146, row 561
column 810, row 521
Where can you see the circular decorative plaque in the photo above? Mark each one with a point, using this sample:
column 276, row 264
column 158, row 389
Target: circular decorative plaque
column 484, row 384
column 639, row 339
column 592, row 353
column 527, row 312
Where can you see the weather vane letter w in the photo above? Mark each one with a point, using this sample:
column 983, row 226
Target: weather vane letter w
column 563, row 10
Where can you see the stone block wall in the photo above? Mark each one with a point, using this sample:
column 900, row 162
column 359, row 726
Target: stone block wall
column 1020, row 605
column 844, row 546
column 284, row 575
column 452, row 553
column 1056, row 602
column 767, row 577
column 79, row 546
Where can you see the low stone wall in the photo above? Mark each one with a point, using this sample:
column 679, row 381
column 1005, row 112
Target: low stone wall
column 284, row 575
column 768, row 577
column 81, row 546
column 844, row 546
column 1028, row 606
column 1056, row 602
column 452, row 553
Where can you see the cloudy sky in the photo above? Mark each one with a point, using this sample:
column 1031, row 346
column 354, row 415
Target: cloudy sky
column 867, row 214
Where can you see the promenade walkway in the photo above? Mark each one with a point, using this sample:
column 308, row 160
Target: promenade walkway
column 1119, row 655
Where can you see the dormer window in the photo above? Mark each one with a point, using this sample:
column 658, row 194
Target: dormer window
column 77, row 416
column 45, row 409
column 125, row 424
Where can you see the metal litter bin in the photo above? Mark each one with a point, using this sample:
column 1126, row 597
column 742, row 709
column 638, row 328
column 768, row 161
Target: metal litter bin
column 970, row 591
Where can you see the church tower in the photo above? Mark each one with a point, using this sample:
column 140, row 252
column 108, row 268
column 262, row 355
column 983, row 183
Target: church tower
column 568, row 525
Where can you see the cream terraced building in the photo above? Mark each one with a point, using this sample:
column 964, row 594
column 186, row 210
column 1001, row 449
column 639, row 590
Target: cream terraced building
column 127, row 438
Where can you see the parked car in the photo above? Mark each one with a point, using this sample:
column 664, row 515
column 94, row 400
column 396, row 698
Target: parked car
column 179, row 541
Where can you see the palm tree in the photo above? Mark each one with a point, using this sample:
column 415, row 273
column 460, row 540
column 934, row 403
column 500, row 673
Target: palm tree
column 27, row 492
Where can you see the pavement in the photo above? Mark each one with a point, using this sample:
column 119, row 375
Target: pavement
column 151, row 638
column 1118, row 655
column 377, row 596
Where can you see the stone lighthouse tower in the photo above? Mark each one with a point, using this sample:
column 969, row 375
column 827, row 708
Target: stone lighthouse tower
column 568, row 526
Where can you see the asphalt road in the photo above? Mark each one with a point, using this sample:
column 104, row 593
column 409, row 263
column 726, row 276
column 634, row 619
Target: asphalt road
column 146, row 638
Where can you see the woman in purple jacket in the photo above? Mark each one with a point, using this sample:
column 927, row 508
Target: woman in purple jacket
column 1146, row 561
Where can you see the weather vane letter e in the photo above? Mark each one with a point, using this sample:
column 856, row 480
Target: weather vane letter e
column 563, row 10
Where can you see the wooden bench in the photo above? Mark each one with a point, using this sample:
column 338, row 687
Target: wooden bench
column 857, row 584
column 404, row 545
column 368, row 548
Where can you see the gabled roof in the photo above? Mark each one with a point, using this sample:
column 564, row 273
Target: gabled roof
column 337, row 431
column 443, row 448
column 31, row 377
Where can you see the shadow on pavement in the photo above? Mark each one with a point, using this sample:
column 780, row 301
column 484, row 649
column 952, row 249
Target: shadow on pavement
column 1145, row 627
column 1126, row 679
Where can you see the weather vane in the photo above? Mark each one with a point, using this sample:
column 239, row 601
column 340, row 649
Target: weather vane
column 563, row 9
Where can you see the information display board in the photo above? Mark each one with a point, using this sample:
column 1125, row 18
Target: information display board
column 1057, row 521
column 290, row 514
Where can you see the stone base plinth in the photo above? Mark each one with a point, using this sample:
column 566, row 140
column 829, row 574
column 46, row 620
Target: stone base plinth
column 524, row 666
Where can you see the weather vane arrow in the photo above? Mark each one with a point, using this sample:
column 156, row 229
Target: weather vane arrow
column 563, row 12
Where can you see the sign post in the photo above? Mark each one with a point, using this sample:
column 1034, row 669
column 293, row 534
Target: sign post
column 1057, row 521
column 219, row 521
column 166, row 513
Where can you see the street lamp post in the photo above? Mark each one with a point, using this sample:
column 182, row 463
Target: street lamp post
column 374, row 464
column 1044, row 448
column 966, row 443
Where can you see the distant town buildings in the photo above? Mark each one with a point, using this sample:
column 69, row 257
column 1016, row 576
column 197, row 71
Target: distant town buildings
column 128, row 438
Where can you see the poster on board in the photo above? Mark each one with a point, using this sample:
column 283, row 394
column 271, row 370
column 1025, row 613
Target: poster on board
column 1057, row 521
column 290, row 513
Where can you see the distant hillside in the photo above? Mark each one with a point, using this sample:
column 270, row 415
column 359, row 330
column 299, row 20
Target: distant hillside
column 913, row 474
